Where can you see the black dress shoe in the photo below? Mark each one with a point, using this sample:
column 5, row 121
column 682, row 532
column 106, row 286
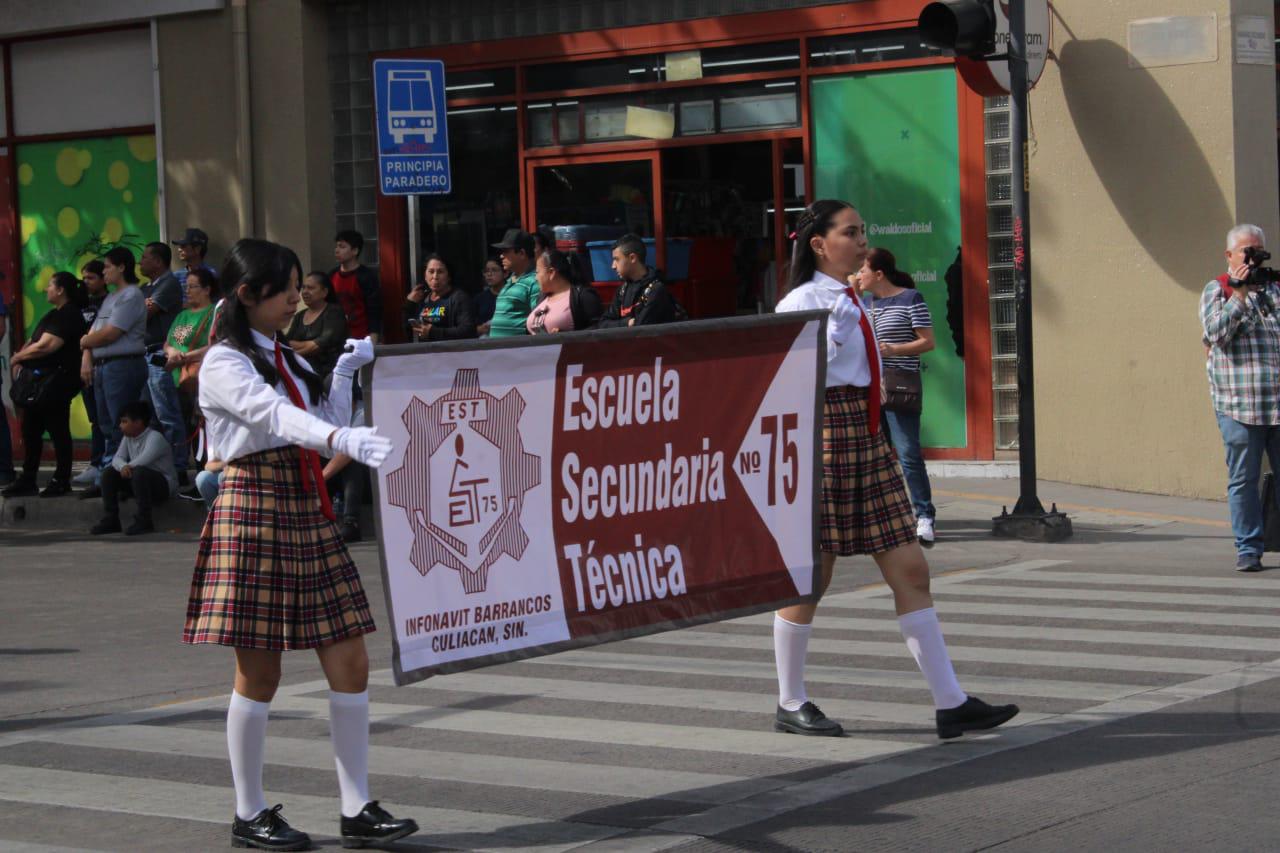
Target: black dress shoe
column 806, row 720
column 19, row 488
column 374, row 825
column 268, row 830
column 90, row 493
column 55, row 489
column 350, row 532
column 108, row 524
column 973, row 716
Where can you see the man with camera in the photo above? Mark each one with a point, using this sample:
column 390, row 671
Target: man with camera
column 1242, row 338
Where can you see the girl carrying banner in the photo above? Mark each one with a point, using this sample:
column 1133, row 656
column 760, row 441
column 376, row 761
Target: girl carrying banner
column 864, row 504
column 272, row 573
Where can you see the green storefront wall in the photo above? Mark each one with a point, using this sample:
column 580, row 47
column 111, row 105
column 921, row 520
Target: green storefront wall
column 888, row 142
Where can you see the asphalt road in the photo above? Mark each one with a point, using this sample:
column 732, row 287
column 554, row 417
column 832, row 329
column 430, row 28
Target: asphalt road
column 1144, row 665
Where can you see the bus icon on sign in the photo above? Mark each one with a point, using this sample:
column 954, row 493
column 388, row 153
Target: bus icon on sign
column 410, row 106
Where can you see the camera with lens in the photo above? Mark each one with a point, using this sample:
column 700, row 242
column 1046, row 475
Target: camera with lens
column 1258, row 275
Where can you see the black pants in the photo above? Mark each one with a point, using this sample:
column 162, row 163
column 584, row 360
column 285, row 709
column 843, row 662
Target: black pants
column 147, row 486
column 52, row 416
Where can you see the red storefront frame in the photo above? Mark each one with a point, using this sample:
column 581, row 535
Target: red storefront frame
column 801, row 24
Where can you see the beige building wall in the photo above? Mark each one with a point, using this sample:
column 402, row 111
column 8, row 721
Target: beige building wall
column 292, row 140
column 1137, row 174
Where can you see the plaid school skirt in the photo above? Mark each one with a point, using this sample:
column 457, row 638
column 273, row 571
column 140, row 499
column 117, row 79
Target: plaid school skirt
column 272, row 572
column 865, row 509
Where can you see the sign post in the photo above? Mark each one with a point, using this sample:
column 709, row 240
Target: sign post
column 561, row 491
column 413, row 137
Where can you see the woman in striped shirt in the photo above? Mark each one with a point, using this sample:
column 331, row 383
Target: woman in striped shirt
column 904, row 331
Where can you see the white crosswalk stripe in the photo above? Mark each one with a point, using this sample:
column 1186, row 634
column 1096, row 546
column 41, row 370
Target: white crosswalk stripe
column 682, row 719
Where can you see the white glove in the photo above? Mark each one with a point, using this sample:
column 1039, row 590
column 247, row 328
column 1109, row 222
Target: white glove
column 362, row 444
column 356, row 354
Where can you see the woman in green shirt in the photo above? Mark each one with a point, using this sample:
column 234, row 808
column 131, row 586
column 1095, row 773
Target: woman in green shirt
column 189, row 335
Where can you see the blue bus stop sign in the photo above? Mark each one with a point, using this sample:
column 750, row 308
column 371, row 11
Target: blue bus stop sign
column 413, row 140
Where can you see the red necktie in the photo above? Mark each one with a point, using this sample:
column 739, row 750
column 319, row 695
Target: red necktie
column 873, row 362
column 312, row 473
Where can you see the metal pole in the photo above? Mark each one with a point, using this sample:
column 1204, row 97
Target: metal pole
column 1029, row 520
column 1027, row 500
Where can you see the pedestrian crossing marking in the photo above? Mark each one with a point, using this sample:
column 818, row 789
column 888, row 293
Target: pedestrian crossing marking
column 723, row 801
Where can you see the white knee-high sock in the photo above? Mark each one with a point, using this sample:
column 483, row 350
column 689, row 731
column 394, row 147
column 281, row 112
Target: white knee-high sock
column 246, row 743
column 790, row 646
column 924, row 640
column 349, row 733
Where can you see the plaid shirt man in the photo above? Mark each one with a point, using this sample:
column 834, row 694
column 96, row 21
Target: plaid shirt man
column 1244, row 353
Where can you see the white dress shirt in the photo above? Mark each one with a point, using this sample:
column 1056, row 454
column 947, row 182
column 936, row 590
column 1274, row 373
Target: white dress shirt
column 243, row 414
column 846, row 351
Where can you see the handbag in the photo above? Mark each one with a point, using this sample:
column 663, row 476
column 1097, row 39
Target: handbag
column 33, row 386
column 903, row 391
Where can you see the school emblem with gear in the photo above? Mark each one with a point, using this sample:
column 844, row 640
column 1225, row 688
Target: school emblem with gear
column 463, row 480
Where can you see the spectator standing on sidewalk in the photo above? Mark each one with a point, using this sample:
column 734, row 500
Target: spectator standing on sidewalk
column 437, row 310
column 164, row 298
column 904, row 332
column 566, row 305
column 192, row 248
column 1242, row 335
column 642, row 299
column 7, row 473
column 356, row 287
column 54, row 349
column 520, row 292
column 486, row 300
column 319, row 332
column 114, row 360
column 94, row 292
column 142, row 468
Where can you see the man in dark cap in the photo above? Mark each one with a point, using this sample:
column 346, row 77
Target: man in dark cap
column 521, row 292
column 192, row 247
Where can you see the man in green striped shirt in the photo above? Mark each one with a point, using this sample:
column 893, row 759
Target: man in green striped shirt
column 521, row 292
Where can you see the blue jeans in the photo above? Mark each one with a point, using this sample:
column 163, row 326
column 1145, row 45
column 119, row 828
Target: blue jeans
column 6, row 443
column 904, row 432
column 1245, row 446
column 163, row 394
column 209, row 483
column 115, row 384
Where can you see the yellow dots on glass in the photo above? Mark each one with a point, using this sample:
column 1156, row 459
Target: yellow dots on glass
column 84, row 158
column 118, row 175
column 28, row 227
column 68, row 166
column 128, row 196
column 112, row 230
column 68, row 222
column 80, row 425
column 26, row 174
column 143, row 148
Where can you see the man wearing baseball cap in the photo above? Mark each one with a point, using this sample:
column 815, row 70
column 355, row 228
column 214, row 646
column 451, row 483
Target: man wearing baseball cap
column 192, row 247
column 521, row 292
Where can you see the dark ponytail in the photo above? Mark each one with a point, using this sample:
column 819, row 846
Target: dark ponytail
column 817, row 219
column 560, row 264
column 70, row 286
column 264, row 268
column 882, row 260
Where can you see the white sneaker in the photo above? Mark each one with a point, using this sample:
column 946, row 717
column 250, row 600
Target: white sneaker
column 924, row 532
column 88, row 477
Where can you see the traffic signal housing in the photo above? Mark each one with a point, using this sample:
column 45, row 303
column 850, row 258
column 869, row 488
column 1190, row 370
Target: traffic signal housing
column 967, row 27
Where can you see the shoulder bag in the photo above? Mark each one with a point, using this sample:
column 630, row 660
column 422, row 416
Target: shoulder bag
column 189, row 373
column 34, row 386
